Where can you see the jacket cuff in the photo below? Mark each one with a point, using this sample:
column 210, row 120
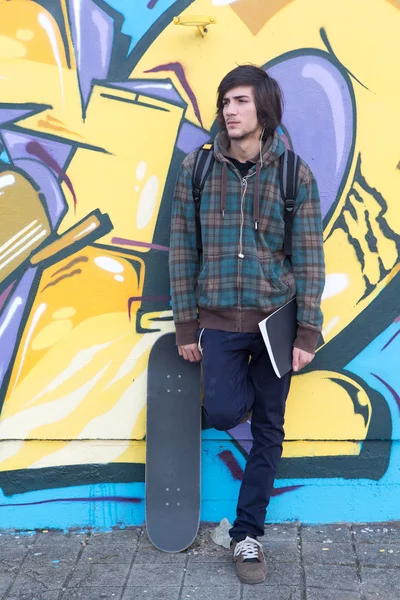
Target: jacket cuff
column 306, row 339
column 186, row 333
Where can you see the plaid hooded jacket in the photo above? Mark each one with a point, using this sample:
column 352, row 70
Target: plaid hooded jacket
column 244, row 275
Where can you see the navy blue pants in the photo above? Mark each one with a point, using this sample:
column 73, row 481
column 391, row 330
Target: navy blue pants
column 232, row 387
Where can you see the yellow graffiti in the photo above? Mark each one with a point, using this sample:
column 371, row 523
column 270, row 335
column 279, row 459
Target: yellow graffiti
column 374, row 66
column 80, row 370
column 25, row 224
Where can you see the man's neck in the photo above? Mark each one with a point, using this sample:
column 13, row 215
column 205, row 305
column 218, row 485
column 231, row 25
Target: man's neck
column 244, row 150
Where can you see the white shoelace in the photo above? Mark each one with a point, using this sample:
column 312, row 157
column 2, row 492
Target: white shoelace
column 248, row 548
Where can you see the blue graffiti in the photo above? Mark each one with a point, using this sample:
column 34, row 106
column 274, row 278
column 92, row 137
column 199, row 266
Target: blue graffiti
column 4, row 156
column 139, row 16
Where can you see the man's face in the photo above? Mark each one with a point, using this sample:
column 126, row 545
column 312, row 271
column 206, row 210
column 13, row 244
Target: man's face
column 240, row 114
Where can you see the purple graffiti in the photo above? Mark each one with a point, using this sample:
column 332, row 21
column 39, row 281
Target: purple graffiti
column 48, row 184
column 16, row 143
column 389, row 387
column 10, row 320
column 125, row 242
column 232, row 464
column 177, row 68
column 10, row 115
column 93, row 35
column 152, row 3
column 391, row 340
column 95, row 499
column 4, row 295
column 36, row 149
column 158, row 88
column 319, row 119
column 191, row 137
column 39, row 171
column 285, row 490
column 237, row 473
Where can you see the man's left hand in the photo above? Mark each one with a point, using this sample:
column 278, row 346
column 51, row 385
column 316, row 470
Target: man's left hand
column 301, row 358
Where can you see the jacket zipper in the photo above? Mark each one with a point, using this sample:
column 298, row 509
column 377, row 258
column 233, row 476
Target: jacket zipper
column 243, row 181
column 244, row 189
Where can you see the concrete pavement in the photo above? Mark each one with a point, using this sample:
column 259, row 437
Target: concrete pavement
column 335, row 562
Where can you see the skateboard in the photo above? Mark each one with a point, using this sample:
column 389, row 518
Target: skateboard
column 173, row 442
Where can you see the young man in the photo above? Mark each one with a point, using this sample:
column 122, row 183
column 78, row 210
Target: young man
column 242, row 276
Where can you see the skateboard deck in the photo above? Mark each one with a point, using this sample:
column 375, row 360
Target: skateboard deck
column 173, row 446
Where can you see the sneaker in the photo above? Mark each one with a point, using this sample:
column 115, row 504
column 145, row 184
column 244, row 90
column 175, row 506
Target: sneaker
column 249, row 560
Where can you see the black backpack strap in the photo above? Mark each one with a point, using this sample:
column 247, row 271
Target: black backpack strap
column 289, row 167
column 202, row 169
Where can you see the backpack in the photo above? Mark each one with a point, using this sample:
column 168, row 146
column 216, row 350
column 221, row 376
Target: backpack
column 288, row 170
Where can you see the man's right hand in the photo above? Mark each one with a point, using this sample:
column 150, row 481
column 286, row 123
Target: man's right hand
column 190, row 352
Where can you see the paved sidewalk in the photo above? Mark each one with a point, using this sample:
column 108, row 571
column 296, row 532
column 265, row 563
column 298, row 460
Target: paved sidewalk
column 335, row 562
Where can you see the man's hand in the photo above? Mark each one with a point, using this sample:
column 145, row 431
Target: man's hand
column 190, row 352
column 301, row 358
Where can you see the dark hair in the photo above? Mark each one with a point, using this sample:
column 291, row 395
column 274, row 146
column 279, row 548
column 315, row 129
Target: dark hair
column 267, row 95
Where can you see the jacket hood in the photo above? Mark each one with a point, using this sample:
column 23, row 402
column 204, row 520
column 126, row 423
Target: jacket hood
column 272, row 148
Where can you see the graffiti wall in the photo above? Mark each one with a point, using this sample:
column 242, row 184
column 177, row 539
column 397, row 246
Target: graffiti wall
column 100, row 100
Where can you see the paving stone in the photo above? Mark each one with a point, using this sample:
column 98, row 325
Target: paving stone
column 337, row 577
column 13, row 540
column 51, row 555
column 204, row 549
column 144, row 540
column 96, row 574
column 382, row 596
column 204, row 592
column 320, row 533
column 115, row 547
column 150, row 555
column 258, row 592
column 38, row 567
column 6, row 579
column 12, row 557
column 152, row 592
column 155, row 575
column 281, row 551
column 318, row 594
column 377, row 533
column 126, row 539
column 381, row 580
column 46, row 568
column 214, row 574
column 323, row 554
column 280, row 533
column 93, row 593
column 51, row 595
column 66, row 542
column 42, row 572
column 283, row 574
column 387, row 555
column 31, row 585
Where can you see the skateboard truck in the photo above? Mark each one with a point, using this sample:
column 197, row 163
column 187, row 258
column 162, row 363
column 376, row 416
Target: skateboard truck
column 199, row 21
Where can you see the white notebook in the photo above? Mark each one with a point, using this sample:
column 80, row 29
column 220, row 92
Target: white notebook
column 279, row 331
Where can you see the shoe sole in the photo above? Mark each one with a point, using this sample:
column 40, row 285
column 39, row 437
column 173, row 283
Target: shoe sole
column 252, row 581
